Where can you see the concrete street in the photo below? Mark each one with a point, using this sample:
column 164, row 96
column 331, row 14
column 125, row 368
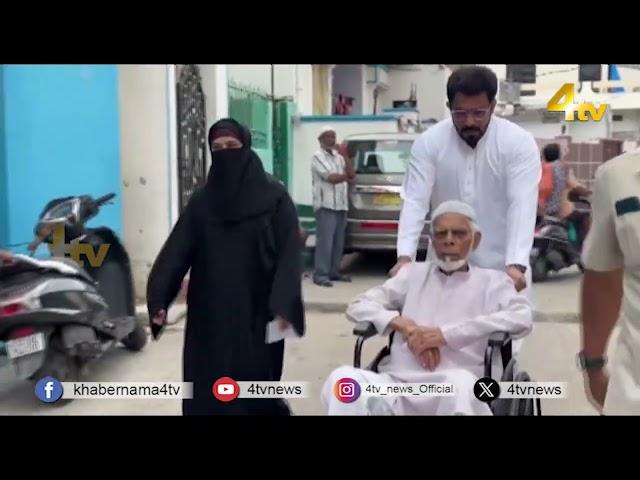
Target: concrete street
column 548, row 353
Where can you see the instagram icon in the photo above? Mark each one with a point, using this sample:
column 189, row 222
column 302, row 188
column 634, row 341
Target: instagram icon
column 347, row 390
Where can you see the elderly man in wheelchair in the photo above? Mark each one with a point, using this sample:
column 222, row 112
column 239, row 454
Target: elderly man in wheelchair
column 441, row 315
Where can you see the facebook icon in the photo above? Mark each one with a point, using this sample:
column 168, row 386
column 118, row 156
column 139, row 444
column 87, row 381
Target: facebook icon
column 49, row 390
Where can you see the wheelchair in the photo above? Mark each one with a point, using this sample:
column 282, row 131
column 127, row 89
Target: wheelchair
column 499, row 343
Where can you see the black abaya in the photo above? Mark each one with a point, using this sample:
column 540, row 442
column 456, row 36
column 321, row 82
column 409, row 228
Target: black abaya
column 245, row 263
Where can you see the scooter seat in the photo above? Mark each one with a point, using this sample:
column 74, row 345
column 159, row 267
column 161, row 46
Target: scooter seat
column 78, row 270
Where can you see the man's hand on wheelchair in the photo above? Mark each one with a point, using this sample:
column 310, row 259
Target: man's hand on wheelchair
column 425, row 343
column 430, row 358
column 403, row 325
column 422, row 338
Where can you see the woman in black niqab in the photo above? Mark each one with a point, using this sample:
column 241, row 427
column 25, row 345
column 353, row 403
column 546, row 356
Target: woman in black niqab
column 239, row 236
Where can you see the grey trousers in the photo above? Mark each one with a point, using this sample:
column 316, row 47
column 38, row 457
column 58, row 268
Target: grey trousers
column 331, row 226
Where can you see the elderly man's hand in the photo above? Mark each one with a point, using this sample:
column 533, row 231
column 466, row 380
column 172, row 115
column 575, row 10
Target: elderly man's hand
column 403, row 325
column 430, row 358
column 423, row 338
column 518, row 277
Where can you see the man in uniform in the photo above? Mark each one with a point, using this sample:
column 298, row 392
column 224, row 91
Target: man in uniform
column 612, row 280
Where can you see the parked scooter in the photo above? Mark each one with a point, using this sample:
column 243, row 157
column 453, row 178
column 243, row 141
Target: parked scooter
column 56, row 316
column 557, row 244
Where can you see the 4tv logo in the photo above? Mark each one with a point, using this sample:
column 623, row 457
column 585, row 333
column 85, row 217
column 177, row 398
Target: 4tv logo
column 586, row 111
column 76, row 249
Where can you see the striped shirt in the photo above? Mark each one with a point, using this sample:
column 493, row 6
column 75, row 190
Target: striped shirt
column 325, row 194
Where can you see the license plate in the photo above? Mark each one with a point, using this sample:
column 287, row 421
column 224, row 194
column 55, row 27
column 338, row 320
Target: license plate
column 386, row 199
column 25, row 345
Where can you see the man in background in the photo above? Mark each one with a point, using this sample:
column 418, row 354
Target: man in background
column 331, row 176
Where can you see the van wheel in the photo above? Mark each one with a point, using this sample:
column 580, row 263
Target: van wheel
column 540, row 270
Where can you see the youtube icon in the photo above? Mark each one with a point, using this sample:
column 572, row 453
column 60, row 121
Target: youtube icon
column 225, row 389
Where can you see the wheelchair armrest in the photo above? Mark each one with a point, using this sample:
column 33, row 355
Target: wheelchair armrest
column 501, row 340
column 365, row 329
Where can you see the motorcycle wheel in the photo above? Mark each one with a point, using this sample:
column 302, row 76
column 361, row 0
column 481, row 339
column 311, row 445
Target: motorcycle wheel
column 137, row 339
column 539, row 270
column 62, row 367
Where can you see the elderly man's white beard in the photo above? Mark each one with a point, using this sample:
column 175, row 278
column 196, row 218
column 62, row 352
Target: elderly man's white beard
column 448, row 265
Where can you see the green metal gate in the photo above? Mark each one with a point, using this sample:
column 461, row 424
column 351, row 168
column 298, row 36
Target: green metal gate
column 270, row 123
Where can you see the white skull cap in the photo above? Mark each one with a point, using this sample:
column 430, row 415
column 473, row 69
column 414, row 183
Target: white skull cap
column 455, row 206
column 325, row 129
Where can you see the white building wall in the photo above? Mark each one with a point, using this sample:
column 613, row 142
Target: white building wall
column 256, row 76
column 540, row 130
column 367, row 99
column 630, row 121
column 584, row 131
column 431, row 83
column 290, row 80
column 214, row 87
column 303, row 93
column 144, row 132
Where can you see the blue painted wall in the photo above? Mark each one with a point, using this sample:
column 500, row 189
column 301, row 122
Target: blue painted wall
column 4, row 234
column 60, row 136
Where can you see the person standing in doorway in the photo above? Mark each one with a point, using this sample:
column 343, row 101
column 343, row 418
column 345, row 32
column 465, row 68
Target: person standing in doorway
column 331, row 176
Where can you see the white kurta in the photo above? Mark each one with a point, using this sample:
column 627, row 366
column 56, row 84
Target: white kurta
column 466, row 306
column 499, row 178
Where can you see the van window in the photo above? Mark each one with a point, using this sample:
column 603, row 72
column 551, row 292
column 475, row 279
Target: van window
column 379, row 156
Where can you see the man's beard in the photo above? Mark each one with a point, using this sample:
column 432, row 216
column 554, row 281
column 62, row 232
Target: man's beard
column 472, row 140
column 328, row 148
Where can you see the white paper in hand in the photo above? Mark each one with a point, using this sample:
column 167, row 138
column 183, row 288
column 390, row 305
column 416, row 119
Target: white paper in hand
column 274, row 333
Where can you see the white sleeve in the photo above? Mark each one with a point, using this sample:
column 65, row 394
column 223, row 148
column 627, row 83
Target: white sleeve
column 320, row 168
column 509, row 311
column 416, row 195
column 380, row 305
column 601, row 251
column 524, row 171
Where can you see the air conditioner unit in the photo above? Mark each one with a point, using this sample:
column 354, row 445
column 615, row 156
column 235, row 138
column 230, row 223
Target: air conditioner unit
column 590, row 73
column 509, row 92
column 520, row 73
